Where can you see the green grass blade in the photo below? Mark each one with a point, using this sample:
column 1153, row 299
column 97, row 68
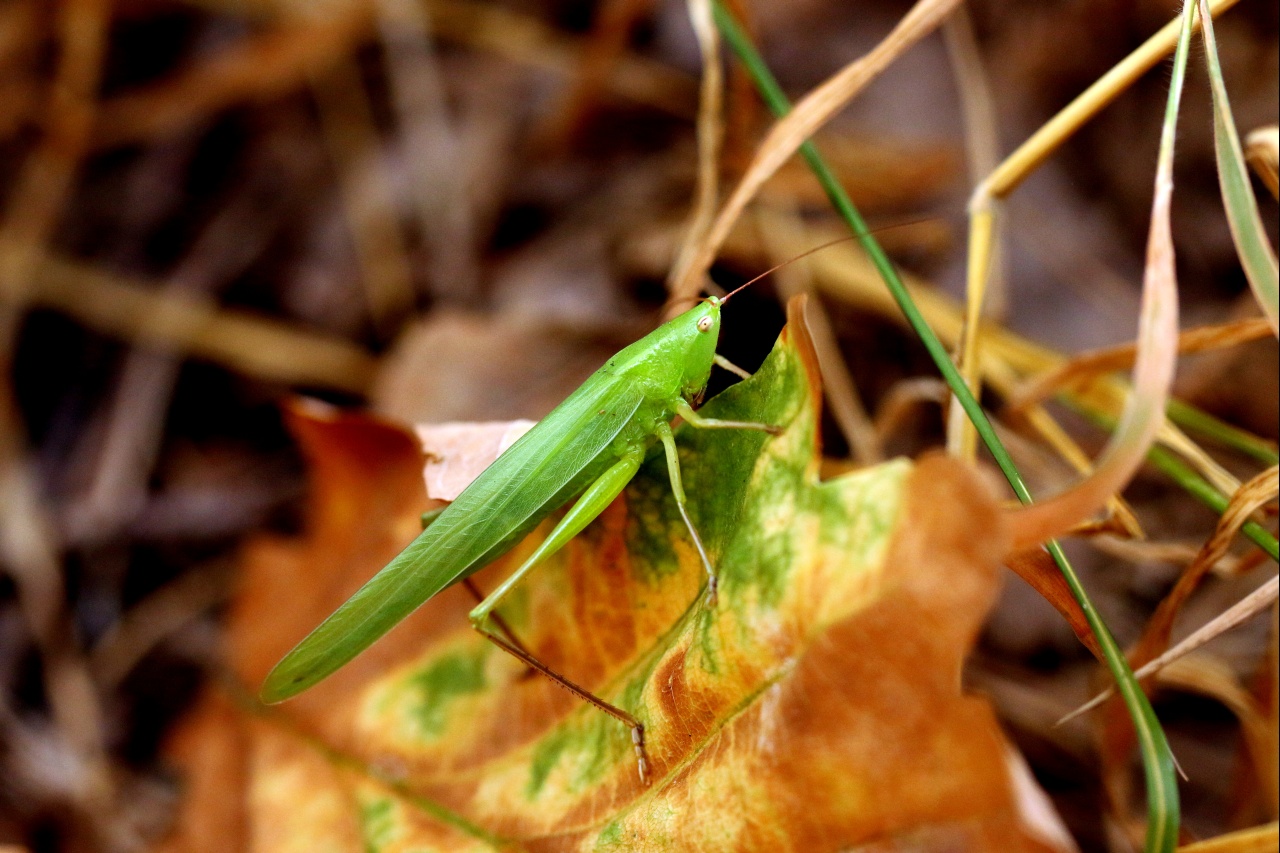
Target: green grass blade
column 1256, row 255
column 1203, row 491
column 1189, row 480
column 1204, row 424
column 1162, row 794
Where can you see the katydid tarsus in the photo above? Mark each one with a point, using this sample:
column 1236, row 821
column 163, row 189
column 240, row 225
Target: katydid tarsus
column 589, row 447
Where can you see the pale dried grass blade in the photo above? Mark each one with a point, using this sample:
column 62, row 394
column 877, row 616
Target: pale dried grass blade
column 1004, row 179
column 1153, row 375
column 904, row 396
column 1088, row 365
column 847, row 274
column 1247, row 500
column 1087, row 104
column 710, row 135
column 978, row 113
column 1065, row 446
column 1243, row 610
column 802, row 122
column 1172, row 437
column 1171, row 553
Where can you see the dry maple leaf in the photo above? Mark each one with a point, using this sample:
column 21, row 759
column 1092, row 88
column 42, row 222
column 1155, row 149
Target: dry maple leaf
column 817, row 706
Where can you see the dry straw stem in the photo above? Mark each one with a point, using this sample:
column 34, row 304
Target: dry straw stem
column 802, row 122
column 139, row 312
column 1250, row 497
column 1171, row 552
column 982, row 146
column 1028, row 156
column 1242, row 611
column 1007, row 359
column 1262, row 148
column 1087, row 366
column 710, row 135
column 983, row 226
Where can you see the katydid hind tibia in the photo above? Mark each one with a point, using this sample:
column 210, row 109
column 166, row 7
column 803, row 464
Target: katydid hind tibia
column 589, row 447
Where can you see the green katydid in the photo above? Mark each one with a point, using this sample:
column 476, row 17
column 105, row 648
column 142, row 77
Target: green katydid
column 590, row 446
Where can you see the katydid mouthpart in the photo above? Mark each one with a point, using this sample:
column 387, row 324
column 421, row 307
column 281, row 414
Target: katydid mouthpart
column 590, row 446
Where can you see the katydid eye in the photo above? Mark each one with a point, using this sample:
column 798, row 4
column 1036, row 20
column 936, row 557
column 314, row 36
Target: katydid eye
column 704, row 324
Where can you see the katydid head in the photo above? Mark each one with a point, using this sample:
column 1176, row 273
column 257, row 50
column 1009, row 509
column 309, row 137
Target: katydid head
column 698, row 331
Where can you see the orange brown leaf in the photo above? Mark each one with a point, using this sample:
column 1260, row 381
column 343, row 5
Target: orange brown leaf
column 817, row 706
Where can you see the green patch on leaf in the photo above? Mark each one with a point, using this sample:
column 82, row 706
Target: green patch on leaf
column 423, row 699
column 377, row 823
column 437, row 685
column 582, row 752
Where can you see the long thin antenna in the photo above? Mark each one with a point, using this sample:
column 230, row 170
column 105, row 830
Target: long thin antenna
column 774, row 269
column 826, row 245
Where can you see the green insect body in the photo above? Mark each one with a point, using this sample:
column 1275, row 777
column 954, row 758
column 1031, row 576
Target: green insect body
column 590, row 446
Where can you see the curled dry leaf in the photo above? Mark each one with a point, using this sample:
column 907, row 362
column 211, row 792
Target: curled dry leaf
column 457, row 452
column 1262, row 148
column 816, row 707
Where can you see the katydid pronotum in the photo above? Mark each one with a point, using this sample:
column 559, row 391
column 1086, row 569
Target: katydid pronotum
column 589, row 447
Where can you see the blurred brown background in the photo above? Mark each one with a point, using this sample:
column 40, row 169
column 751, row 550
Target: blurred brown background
column 456, row 210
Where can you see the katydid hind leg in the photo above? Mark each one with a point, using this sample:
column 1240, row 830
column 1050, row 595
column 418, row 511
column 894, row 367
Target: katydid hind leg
column 500, row 623
column 593, row 501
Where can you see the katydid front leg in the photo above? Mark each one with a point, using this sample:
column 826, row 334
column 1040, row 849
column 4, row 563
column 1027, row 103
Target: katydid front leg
column 677, row 487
